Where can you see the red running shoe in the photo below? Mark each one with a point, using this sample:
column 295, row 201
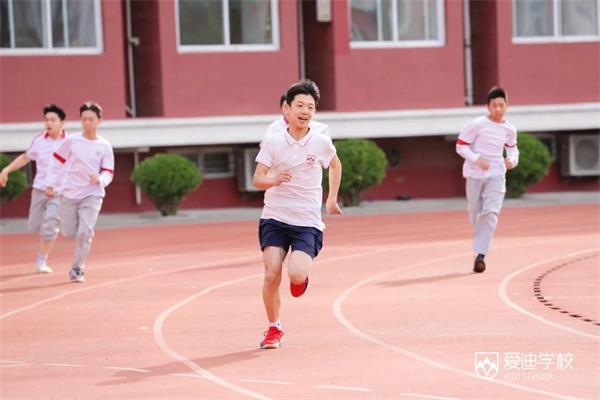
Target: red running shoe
column 298, row 290
column 273, row 338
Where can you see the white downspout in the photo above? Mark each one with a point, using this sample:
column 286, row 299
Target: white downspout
column 468, row 54
column 131, row 41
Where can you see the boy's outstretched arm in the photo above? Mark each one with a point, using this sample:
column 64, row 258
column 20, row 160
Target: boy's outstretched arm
column 335, row 177
column 16, row 164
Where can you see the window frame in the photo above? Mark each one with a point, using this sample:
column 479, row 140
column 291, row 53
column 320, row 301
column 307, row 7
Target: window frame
column 382, row 44
column 199, row 153
column 226, row 48
column 556, row 27
column 35, row 51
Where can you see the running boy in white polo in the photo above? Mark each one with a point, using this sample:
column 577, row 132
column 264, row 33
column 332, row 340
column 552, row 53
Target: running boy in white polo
column 290, row 169
column 482, row 144
column 43, row 210
column 88, row 168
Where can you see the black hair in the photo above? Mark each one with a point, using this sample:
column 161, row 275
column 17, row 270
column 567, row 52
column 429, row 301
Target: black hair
column 305, row 86
column 496, row 92
column 282, row 99
column 91, row 106
column 55, row 109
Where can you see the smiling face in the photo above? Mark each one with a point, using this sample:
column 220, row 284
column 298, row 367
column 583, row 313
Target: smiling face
column 300, row 112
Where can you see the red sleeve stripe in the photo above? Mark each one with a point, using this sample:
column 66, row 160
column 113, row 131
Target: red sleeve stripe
column 107, row 170
column 59, row 158
column 462, row 142
column 508, row 145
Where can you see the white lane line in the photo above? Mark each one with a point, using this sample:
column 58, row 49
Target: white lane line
column 128, row 369
column 190, row 375
column 129, row 279
column 16, row 365
column 427, row 396
column 346, row 388
column 64, row 365
column 267, row 382
column 159, row 323
column 502, row 292
column 337, row 311
column 12, row 362
column 160, row 340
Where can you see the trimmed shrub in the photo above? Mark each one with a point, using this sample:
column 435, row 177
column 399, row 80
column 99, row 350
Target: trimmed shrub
column 363, row 166
column 167, row 179
column 534, row 162
column 17, row 182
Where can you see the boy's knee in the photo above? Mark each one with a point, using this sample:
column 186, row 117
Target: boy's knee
column 272, row 277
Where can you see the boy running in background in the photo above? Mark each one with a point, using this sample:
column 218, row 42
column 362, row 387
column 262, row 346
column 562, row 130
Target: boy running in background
column 481, row 144
column 290, row 169
column 43, row 211
column 88, row 168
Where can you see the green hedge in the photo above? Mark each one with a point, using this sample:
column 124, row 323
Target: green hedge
column 17, row 182
column 534, row 162
column 363, row 166
column 167, row 179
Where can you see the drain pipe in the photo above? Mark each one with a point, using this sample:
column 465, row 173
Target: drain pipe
column 468, row 54
column 131, row 41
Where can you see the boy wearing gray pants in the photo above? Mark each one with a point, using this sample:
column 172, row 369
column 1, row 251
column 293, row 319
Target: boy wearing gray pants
column 482, row 144
column 88, row 162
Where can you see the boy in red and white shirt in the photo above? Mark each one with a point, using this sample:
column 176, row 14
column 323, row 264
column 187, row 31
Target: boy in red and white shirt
column 290, row 168
column 88, row 168
column 482, row 144
column 43, row 210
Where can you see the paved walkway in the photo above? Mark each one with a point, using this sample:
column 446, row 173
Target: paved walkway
column 198, row 216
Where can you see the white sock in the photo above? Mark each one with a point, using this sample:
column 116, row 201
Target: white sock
column 41, row 259
column 276, row 324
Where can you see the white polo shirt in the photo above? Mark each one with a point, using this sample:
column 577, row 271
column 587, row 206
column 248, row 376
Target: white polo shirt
column 487, row 139
column 81, row 158
column 279, row 127
column 297, row 202
column 41, row 150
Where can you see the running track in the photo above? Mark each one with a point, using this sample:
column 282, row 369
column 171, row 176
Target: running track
column 393, row 312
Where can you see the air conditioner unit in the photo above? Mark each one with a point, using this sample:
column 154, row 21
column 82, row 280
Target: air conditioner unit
column 580, row 155
column 245, row 169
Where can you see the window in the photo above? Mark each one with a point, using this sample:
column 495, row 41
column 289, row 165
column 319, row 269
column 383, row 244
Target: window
column 208, row 25
column 50, row 27
column 380, row 23
column 555, row 20
column 214, row 162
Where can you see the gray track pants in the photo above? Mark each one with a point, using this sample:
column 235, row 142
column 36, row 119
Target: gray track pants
column 78, row 219
column 44, row 216
column 485, row 197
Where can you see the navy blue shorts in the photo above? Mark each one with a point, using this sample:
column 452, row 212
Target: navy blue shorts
column 303, row 238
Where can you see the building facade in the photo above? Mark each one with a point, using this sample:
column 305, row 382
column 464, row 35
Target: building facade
column 203, row 79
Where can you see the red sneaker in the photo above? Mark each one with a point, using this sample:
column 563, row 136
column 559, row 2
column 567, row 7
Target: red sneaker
column 298, row 290
column 273, row 338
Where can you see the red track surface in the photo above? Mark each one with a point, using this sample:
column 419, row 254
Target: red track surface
column 393, row 312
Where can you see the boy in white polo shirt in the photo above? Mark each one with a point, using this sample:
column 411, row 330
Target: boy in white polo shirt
column 482, row 144
column 43, row 210
column 88, row 168
column 290, row 169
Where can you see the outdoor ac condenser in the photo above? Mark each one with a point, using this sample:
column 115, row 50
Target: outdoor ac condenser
column 580, row 155
column 245, row 169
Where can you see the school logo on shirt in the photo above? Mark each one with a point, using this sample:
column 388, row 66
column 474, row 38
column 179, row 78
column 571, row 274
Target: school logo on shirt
column 310, row 159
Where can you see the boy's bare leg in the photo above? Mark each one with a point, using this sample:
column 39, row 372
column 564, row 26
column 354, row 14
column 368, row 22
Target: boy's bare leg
column 46, row 246
column 273, row 259
column 299, row 267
